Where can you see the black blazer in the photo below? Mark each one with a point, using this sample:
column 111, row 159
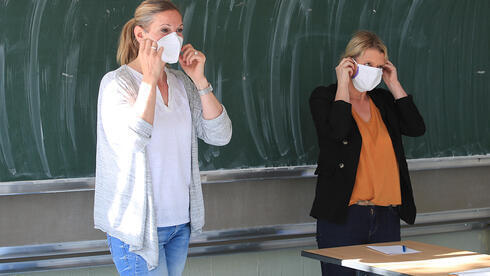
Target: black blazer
column 340, row 146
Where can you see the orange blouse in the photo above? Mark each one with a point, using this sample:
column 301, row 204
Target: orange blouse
column 377, row 178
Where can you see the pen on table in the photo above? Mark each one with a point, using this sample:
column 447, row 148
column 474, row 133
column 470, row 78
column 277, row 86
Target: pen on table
column 404, row 248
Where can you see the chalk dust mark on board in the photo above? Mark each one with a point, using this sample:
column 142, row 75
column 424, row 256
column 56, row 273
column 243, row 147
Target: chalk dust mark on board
column 211, row 52
column 307, row 11
column 305, row 5
column 32, row 85
column 205, row 25
column 70, row 56
column 5, row 146
column 242, row 4
column 211, row 20
column 476, row 120
column 225, row 25
column 411, row 12
column 250, row 109
column 330, row 40
column 363, row 19
column 187, row 20
column 294, row 101
column 278, row 106
column 338, row 23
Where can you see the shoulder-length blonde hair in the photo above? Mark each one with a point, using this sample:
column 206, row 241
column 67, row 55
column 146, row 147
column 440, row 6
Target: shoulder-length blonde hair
column 361, row 41
column 143, row 16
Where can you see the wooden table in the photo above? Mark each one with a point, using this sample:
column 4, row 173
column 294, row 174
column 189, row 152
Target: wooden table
column 431, row 260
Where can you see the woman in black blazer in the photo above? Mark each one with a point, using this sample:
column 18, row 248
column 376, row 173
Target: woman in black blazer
column 363, row 186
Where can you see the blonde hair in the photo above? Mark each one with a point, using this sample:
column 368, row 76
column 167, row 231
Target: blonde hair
column 361, row 41
column 128, row 47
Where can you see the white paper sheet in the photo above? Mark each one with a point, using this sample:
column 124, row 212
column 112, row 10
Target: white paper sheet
column 474, row 272
column 393, row 249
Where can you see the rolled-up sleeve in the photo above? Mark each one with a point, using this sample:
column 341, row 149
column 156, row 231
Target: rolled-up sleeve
column 217, row 131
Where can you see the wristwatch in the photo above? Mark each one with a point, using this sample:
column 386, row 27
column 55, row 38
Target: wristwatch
column 205, row 90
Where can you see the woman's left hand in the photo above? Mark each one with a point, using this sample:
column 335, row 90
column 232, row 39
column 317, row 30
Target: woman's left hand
column 390, row 77
column 192, row 61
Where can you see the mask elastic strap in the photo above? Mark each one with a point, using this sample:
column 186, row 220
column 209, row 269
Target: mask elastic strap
column 357, row 69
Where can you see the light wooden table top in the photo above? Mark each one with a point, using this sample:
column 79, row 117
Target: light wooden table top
column 431, row 260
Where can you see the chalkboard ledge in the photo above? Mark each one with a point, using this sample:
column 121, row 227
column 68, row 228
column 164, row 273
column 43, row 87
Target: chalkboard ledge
column 236, row 175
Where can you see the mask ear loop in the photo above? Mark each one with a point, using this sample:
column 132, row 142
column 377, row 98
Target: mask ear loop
column 357, row 69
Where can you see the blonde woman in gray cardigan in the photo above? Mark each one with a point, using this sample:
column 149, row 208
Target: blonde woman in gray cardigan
column 148, row 194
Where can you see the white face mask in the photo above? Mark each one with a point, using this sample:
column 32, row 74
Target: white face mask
column 172, row 44
column 366, row 77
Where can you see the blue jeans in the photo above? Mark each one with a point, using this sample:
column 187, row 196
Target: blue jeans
column 173, row 244
column 364, row 224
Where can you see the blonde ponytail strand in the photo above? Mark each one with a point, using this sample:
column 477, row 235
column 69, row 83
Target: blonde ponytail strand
column 128, row 45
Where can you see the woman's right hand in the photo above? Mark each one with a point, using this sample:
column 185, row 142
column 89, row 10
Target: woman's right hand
column 345, row 70
column 150, row 61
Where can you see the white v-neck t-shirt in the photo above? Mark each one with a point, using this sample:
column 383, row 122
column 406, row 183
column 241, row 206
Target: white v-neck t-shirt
column 169, row 153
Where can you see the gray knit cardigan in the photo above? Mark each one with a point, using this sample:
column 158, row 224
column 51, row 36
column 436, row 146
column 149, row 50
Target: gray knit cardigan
column 124, row 206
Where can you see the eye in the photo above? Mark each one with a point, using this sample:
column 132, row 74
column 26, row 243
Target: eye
column 165, row 30
column 180, row 30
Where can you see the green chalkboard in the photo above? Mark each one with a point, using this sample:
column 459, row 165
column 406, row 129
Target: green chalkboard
column 263, row 58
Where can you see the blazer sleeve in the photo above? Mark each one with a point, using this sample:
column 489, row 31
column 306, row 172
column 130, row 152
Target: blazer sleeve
column 411, row 122
column 332, row 119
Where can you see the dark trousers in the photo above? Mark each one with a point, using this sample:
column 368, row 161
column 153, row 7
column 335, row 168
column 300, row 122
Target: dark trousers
column 364, row 224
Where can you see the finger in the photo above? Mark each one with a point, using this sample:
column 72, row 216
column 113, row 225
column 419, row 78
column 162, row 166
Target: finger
column 352, row 71
column 352, row 67
column 190, row 55
column 194, row 58
column 388, row 68
column 160, row 52
column 154, row 47
column 183, row 60
column 187, row 46
column 142, row 46
column 147, row 46
column 185, row 54
column 350, row 62
column 349, row 65
column 185, row 49
column 189, row 52
column 346, row 60
column 182, row 63
column 390, row 65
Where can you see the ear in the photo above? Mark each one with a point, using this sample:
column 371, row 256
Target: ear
column 138, row 33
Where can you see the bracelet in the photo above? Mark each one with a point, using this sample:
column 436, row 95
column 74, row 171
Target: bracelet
column 205, row 90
